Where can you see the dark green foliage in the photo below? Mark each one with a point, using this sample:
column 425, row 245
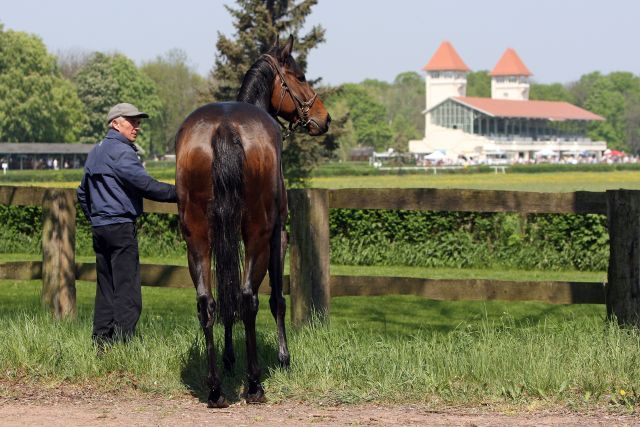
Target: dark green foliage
column 616, row 97
column 581, row 167
column 377, row 237
column 21, row 232
column 550, row 92
column 159, row 236
column 479, row 84
column 369, row 117
column 20, row 229
column 465, row 240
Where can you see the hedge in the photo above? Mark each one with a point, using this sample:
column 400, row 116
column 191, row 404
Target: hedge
column 376, row 237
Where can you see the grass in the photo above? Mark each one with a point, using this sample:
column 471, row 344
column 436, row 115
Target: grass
column 392, row 349
column 545, row 182
column 334, row 175
column 394, row 271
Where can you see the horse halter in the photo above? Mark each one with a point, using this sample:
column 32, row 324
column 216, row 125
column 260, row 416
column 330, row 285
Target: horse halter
column 302, row 107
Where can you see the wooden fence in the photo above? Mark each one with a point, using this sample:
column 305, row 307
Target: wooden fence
column 310, row 283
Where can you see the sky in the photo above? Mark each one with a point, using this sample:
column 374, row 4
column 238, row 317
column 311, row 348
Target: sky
column 558, row 40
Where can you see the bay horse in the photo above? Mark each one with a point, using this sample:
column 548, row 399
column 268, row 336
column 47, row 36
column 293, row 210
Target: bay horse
column 229, row 182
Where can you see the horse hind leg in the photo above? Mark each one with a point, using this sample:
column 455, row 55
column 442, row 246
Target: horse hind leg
column 199, row 260
column 256, row 264
column 277, row 302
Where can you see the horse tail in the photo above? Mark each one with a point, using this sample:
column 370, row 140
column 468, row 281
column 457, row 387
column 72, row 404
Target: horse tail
column 226, row 216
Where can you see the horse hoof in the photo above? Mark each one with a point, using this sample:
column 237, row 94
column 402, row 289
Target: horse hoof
column 255, row 397
column 285, row 361
column 216, row 400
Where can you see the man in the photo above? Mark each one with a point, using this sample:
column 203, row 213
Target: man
column 110, row 195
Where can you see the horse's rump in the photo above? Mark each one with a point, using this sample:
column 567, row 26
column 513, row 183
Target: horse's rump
column 228, row 158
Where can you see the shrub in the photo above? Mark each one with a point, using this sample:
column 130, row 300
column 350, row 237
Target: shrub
column 378, row 237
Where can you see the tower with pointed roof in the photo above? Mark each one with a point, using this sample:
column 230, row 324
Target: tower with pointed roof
column 506, row 128
column 446, row 77
column 510, row 78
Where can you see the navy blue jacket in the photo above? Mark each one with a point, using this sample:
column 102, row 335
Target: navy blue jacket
column 115, row 182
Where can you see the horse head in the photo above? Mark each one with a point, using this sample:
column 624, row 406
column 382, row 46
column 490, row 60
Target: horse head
column 292, row 98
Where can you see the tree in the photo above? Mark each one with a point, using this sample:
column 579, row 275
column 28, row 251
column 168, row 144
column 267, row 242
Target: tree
column 550, row 92
column 178, row 87
column 479, row 84
column 615, row 97
column 402, row 131
column 580, row 90
column 107, row 80
column 403, row 101
column 408, row 99
column 36, row 103
column 340, row 112
column 258, row 23
column 368, row 116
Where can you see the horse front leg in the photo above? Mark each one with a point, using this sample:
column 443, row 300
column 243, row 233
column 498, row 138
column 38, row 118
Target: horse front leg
column 277, row 302
column 256, row 261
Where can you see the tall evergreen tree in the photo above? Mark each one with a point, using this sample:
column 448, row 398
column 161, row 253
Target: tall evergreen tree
column 258, row 23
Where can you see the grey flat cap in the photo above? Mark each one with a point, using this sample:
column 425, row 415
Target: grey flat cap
column 125, row 110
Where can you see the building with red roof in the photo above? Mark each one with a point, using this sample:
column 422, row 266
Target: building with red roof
column 508, row 125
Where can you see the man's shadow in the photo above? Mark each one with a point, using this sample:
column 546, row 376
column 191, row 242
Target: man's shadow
column 195, row 366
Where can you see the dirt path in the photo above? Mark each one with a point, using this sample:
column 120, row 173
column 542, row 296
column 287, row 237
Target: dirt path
column 83, row 406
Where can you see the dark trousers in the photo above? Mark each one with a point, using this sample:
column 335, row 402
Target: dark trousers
column 118, row 294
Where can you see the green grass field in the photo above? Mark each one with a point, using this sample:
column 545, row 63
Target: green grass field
column 567, row 180
column 375, row 349
column 544, row 182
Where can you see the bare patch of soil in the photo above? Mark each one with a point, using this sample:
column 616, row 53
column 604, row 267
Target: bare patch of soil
column 28, row 404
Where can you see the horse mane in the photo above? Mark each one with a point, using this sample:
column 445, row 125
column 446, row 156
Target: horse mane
column 257, row 83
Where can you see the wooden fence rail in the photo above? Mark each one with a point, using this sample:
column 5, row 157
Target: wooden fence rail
column 310, row 283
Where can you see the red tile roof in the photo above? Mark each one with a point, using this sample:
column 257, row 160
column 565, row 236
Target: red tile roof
column 550, row 110
column 446, row 59
column 510, row 64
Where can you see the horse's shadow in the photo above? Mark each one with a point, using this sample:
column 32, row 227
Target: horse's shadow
column 195, row 367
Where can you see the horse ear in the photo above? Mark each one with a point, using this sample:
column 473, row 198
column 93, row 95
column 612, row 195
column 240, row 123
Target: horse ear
column 286, row 50
column 276, row 42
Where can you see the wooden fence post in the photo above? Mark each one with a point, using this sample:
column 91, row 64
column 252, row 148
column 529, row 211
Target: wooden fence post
column 309, row 270
column 623, row 289
column 58, row 252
